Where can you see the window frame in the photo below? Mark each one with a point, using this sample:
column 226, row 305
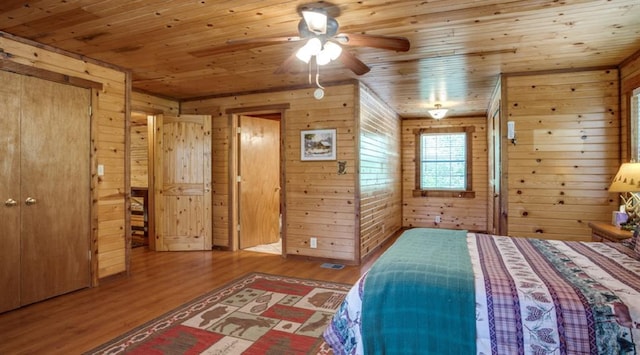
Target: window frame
column 634, row 124
column 468, row 191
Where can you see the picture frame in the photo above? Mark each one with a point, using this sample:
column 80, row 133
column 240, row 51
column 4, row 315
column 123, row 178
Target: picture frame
column 318, row 144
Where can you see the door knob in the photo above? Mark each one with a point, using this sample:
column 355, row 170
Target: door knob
column 10, row 202
column 30, row 201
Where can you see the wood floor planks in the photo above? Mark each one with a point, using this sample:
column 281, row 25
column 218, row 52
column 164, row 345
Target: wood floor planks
column 159, row 282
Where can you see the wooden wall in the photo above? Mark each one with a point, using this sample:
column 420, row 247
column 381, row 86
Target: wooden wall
column 139, row 150
column 380, row 187
column 108, row 141
column 567, row 151
column 142, row 106
column 319, row 202
column 455, row 213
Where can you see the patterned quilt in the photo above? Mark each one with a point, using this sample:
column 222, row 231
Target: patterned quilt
column 533, row 297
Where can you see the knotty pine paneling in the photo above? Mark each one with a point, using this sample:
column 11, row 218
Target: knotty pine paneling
column 108, row 142
column 319, row 202
column 149, row 104
column 566, row 152
column 455, row 213
column 139, row 150
column 144, row 105
column 380, row 189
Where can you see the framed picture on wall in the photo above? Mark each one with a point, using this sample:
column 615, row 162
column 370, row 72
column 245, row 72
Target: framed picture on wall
column 318, row 144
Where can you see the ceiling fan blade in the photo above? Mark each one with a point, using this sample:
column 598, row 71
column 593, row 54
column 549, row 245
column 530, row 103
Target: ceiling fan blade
column 264, row 40
column 399, row 44
column 354, row 64
column 242, row 44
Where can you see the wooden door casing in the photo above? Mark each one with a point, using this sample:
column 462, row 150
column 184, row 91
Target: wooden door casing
column 259, row 187
column 182, row 183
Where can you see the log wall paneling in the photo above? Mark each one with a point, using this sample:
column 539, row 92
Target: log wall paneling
column 566, row 152
column 380, row 189
column 108, row 141
column 455, row 213
column 319, row 202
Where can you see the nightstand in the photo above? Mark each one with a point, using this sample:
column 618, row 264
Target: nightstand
column 605, row 232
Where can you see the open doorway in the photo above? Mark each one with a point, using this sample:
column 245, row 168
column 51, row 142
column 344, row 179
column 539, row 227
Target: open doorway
column 259, row 187
column 140, row 163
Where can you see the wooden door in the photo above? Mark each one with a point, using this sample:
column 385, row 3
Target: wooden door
column 259, row 189
column 56, row 176
column 182, row 182
column 10, row 191
column 45, row 157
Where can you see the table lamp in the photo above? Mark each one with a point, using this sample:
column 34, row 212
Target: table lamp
column 627, row 180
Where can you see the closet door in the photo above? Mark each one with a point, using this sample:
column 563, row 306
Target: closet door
column 9, row 191
column 55, row 189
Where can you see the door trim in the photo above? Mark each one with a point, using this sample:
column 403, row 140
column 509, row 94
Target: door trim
column 233, row 116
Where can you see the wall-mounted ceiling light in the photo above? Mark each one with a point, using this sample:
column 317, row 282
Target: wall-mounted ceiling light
column 438, row 113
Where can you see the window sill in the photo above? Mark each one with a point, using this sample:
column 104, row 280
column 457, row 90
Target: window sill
column 442, row 193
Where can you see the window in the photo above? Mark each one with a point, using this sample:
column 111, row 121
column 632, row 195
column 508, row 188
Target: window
column 443, row 162
column 635, row 122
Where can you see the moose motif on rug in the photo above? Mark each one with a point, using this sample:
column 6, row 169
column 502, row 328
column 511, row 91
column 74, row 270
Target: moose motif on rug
column 244, row 324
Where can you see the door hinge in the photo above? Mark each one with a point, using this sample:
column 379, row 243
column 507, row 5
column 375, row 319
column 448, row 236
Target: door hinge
column 238, row 228
column 90, row 110
column 239, row 178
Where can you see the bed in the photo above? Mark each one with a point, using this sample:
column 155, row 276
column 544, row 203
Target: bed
column 437, row 291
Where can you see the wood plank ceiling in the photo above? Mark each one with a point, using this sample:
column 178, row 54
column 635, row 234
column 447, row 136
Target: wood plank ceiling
column 178, row 49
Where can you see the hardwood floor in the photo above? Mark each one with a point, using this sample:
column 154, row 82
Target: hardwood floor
column 159, row 282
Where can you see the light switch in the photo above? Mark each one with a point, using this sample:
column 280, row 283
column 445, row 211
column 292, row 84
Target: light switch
column 100, row 170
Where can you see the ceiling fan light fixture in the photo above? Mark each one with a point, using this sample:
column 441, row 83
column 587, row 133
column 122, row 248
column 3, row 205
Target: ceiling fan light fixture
column 333, row 50
column 438, row 113
column 314, row 46
column 323, row 57
column 303, row 55
column 311, row 48
column 316, row 20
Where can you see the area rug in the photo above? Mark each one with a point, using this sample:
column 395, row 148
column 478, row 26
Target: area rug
column 256, row 314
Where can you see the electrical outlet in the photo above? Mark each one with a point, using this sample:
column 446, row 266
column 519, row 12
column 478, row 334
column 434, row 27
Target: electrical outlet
column 438, row 219
column 313, row 242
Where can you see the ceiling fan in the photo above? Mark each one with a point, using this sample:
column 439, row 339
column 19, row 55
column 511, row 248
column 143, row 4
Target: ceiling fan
column 319, row 28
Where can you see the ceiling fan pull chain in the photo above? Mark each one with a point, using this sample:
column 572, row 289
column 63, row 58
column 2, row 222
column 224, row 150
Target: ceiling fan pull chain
column 318, row 77
column 319, row 92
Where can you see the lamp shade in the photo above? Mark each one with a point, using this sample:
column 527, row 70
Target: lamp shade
column 627, row 179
